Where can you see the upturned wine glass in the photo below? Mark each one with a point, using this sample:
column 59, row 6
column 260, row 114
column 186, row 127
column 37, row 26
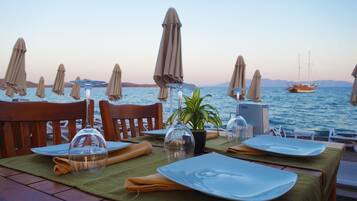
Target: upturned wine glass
column 88, row 149
column 237, row 127
column 179, row 141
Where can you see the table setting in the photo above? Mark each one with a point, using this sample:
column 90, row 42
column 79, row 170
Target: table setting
column 225, row 167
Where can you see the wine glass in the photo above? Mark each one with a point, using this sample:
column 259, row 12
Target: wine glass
column 237, row 127
column 88, row 149
column 179, row 141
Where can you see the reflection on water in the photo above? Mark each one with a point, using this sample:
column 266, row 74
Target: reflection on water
column 326, row 108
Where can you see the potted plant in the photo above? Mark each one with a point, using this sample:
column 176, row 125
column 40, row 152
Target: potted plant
column 196, row 114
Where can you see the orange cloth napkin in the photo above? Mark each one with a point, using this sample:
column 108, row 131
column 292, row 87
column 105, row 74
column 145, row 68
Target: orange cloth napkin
column 211, row 135
column 150, row 183
column 63, row 165
column 242, row 149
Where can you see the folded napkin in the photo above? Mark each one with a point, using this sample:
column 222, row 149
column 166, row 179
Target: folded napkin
column 211, row 135
column 242, row 149
column 63, row 165
column 150, row 183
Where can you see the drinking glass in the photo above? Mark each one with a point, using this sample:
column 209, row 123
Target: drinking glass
column 237, row 127
column 88, row 149
column 179, row 141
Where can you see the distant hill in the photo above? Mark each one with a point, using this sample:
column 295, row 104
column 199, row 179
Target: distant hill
column 286, row 83
column 30, row 84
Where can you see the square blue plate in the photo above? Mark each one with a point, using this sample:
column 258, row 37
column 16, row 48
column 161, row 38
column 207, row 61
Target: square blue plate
column 286, row 146
column 230, row 178
column 62, row 149
column 156, row 133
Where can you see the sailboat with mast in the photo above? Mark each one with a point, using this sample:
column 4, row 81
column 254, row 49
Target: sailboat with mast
column 300, row 87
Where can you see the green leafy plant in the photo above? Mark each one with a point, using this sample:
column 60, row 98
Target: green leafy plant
column 196, row 114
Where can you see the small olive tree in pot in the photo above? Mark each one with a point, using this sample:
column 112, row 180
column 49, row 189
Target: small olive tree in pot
column 196, row 114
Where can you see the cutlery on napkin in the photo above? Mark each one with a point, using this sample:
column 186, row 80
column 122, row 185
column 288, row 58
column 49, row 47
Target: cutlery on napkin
column 150, row 183
column 63, row 165
column 242, row 149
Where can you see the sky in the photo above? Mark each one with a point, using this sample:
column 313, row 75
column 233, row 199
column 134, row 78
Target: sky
column 90, row 36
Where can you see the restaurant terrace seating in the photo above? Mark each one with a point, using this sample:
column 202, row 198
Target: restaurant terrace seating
column 23, row 124
column 142, row 114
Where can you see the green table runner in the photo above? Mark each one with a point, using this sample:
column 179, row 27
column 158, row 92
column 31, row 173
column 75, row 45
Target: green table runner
column 155, row 141
column 110, row 184
column 327, row 162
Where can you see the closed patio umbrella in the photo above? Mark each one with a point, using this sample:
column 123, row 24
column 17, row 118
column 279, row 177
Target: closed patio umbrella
column 168, row 67
column 58, row 86
column 254, row 89
column 40, row 91
column 164, row 93
column 15, row 77
column 76, row 89
column 114, row 88
column 169, row 61
column 237, row 80
column 354, row 88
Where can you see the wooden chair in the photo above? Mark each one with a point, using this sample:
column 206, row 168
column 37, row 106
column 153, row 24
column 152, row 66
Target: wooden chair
column 23, row 124
column 111, row 114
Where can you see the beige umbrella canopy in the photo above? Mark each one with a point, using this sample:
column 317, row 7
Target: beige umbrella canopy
column 169, row 60
column 254, row 89
column 40, row 91
column 164, row 93
column 15, row 77
column 58, row 86
column 238, row 79
column 114, row 88
column 76, row 90
column 354, row 88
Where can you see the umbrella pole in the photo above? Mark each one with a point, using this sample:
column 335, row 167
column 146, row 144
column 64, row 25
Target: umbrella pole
column 171, row 105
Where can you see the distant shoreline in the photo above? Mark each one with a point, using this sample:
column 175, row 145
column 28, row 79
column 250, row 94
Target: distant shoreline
column 30, row 84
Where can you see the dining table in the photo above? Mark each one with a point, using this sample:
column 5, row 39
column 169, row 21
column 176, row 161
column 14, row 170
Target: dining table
column 31, row 177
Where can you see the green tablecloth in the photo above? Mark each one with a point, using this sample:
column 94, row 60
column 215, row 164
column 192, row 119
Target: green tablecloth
column 155, row 141
column 327, row 162
column 110, row 183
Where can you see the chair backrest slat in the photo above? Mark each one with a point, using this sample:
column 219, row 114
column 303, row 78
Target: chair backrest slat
column 39, row 130
column 140, row 126
column 149, row 120
column 116, row 130
column 24, row 124
column 124, row 128
column 72, row 129
column 25, row 138
column 132, row 113
column 8, row 148
column 132, row 128
column 56, row 125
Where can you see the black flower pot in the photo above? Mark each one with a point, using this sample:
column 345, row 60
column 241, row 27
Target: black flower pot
column 200, row 141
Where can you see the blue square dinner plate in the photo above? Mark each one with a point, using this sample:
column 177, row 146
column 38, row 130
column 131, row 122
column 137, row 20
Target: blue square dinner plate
column 285, row 146
column 221, row 176
column 61, row 150
column 156, row 133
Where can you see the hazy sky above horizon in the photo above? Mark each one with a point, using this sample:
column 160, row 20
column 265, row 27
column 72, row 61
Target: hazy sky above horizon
column 89, row 37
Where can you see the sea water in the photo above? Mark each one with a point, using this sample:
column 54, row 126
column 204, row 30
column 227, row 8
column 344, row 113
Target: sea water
column 325, row 108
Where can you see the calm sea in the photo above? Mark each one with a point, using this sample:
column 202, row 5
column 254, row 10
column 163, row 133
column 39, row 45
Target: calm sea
column 326, row 108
